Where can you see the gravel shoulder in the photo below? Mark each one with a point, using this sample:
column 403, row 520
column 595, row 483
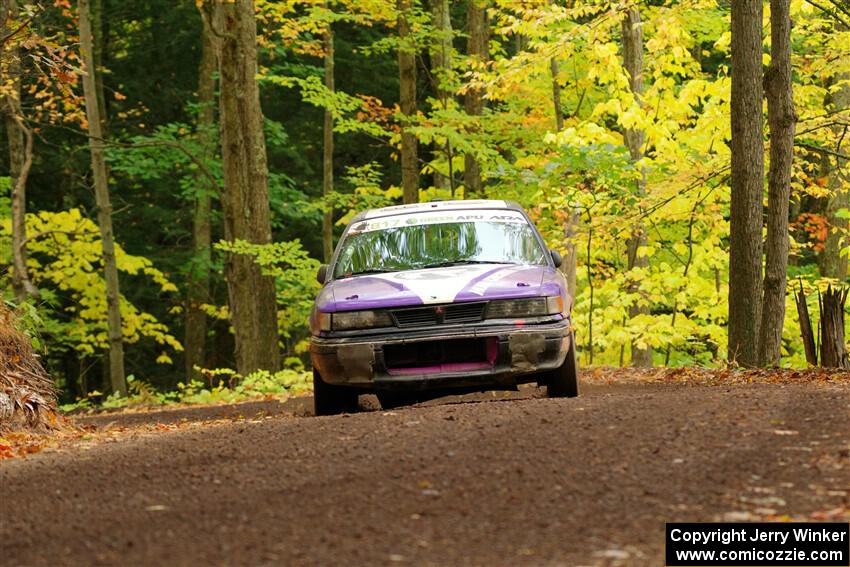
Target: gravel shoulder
column 518, row 481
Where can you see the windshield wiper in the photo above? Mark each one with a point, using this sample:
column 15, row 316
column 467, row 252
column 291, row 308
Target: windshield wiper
column 464, row 262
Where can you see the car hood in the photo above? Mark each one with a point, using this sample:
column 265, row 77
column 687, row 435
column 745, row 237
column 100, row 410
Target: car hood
column 439, row 285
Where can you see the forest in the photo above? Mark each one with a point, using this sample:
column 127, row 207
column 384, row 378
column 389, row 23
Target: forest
column 177, row 170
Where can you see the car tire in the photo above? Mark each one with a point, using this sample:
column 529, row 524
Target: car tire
column 329, row 399
column 563, row 381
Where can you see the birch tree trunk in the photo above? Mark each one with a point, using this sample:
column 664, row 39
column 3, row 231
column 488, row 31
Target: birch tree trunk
column 104, row 206
column 328, row 150
column 782, row 120
column 635, row 138
column 745, row 242
column 20, row 154
column 199, row 276
column 245, row 201
column 478, row 50
column 407, row 102
column 441, row 71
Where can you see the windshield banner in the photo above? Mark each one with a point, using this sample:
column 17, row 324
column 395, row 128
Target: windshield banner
column 438, row 217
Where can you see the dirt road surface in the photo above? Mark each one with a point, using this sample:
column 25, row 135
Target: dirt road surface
column 587, row 481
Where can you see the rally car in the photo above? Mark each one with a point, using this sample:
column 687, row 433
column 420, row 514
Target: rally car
column 438, row 298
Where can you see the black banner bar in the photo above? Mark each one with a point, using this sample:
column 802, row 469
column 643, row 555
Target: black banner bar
column 746, row 544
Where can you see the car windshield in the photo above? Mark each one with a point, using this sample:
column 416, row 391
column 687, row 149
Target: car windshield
column 431, row 240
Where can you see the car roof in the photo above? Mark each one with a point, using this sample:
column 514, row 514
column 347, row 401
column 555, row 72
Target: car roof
column 437, row 206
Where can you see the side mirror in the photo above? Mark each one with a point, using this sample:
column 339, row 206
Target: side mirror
column 556, row 257
column 322, row 273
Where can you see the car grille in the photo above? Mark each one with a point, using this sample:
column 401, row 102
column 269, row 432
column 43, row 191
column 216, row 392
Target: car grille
column 439, row 314
column 414, row 317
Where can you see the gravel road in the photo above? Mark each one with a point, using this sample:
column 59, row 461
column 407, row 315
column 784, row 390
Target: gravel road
column 586, row 481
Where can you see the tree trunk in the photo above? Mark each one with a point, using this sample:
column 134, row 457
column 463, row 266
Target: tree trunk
column 556, row 95
column 99, row 37
column 328, row 150
column 633, row 62
column 831, row 262
column 199, row 276
column 745, row 242
column 245, row 202
column 833, row 353
column 478, row 50
column 520, row 43
column 571, row 218
column 781, row 119
column 570, row 260
column 407, row 102
column 104, row 206
column 806, row 332
column 441, row 71
column 20, row 156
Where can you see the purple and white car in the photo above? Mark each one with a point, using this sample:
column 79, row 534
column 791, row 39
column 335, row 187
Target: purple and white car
column 435, row 298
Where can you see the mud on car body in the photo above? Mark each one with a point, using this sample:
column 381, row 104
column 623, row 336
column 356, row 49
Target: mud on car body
column 435, row 298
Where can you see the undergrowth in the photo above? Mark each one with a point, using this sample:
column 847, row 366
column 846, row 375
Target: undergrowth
column 219, row 386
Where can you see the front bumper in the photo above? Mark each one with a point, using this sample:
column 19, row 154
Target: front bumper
column 514, row 354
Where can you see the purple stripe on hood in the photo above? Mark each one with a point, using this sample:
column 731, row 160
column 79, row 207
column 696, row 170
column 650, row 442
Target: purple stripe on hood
column 505, row 282
column 364, row 292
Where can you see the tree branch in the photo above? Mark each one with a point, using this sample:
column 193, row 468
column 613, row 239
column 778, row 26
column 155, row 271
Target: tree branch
column 821, row 150
column 16, row 31
column 38, row 235
column 171, row 144
column 828, row 11
column 19, row 200
column 824, row 125
column 842, row 7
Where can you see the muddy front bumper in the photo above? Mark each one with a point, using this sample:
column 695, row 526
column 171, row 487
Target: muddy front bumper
column 435, row 358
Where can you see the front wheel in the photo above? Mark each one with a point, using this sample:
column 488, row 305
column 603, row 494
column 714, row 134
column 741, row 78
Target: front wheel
column 329, row 399
column 563, row 381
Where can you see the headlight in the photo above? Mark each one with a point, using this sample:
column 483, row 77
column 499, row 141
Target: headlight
column 348, row 320
column 535, row 307
column 555, row 304
column 324, row 321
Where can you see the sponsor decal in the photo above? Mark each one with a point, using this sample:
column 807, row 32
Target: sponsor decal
column 438, row 217
column 437, row 205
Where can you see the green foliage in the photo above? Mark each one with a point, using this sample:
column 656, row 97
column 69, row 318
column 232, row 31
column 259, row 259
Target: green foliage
column 5, row 200
column 256, row 385
column 343, row 106
column 171, row 149
column 295, row 277
column 366, row 182
column 29, row 321
column 222, row 386
column 65, row 264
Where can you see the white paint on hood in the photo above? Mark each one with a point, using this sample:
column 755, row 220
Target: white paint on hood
column 442, row 285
